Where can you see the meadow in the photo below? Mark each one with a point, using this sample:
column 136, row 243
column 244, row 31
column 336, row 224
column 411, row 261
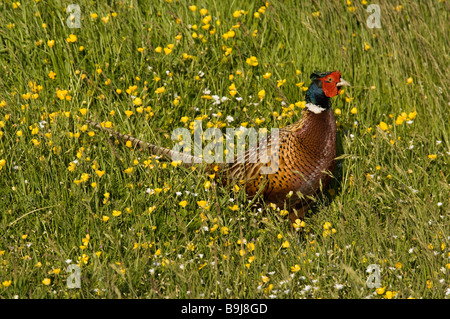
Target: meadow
column 138, row 226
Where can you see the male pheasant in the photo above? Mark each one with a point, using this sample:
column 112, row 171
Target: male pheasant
column 305, row 157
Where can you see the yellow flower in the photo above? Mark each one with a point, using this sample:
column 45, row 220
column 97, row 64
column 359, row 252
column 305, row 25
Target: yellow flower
column 99, row 173
column 94, row 15
column 283, row 212
column 83, row 111
column 295, row 268
column 183, row 203
column 105, row 218
column 56, row 271
column 280, row 82
column 72, row 38
column 234, row 207
column 128, row 113
column 354, row 110
column 409, row 81
column 52, row 75
column 46, row 281
column 366, row 46
column 160, row 90
column 61, row 94
column 51, row 43
column 259, row 121
column 389, row 294
column 116, row 213
column 285, row 244
column 232, row 89
column 299, row 223
column 261, row 94
column 193, row 8
column 6, row 283
column 203, row 204
column 380, row 290
column 137, row 101
column 432, row 156
column 229, row 34
column 253, row 61
column 383, row 126
column 129, row 170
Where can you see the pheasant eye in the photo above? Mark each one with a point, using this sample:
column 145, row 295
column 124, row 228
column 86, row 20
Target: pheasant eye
column 330, row 79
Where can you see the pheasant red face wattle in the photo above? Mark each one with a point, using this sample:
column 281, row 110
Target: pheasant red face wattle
column 331, row 83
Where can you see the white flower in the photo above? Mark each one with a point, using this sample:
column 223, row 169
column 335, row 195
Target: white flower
column 338, row 286
column 229, row 119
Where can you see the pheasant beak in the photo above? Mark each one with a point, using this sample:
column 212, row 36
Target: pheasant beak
column 342, row 82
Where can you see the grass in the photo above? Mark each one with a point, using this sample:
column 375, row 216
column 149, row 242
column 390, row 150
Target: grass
column 388, row 205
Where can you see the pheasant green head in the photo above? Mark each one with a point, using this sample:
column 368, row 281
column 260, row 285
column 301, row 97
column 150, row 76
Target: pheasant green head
column 324, row 86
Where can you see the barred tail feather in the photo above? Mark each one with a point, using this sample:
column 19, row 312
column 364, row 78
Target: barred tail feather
column 186, row 159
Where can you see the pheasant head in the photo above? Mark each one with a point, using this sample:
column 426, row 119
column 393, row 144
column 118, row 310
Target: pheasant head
column 324, row 86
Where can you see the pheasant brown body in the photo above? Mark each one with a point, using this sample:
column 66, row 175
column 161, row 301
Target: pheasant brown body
column 306, row 160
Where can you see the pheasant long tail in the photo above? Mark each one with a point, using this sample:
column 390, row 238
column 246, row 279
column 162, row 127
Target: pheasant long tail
column 186, row 159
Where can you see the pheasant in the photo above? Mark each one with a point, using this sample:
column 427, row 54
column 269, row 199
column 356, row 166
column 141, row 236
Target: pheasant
column 305, row 157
